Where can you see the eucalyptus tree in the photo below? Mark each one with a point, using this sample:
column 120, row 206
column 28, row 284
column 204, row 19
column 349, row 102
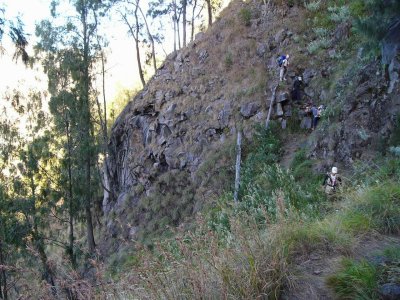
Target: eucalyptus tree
column 70, row 53
column 8, row 230
column 25, row 185
column 14, row 29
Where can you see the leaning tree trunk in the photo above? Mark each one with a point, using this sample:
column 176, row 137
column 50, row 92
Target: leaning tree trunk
column 184, row 3
column 3, row 275
column 209, row 9
column 135, row 36
column 153, row 51
column 270, row 107
column 238, row 159
column 193, row 11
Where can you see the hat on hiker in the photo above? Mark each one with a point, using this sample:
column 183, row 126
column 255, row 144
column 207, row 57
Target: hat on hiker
column 299, row 78
column 334, row 170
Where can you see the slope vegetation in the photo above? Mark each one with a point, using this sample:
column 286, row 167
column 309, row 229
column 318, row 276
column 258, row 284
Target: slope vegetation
column 172, row 153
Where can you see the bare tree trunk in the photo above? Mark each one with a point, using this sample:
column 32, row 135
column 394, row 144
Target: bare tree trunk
column 209, row 9
column 135, row 36
column 153, row 51
column 38, row 241
column 238, row 159
column 270, row 106
column 104, row 121
column 173, row 21
column 3, row 275
column 71, row 201
column 193, row 11
column 184, row 3
column 179, row 33
column 87, row 135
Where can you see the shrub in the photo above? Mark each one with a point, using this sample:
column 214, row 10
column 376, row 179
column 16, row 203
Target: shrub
column 381, row 205
column 245, row 16
column 313, row 6
column 228, row 60
column 356, row 280
column 339, row 14
column 321, row 43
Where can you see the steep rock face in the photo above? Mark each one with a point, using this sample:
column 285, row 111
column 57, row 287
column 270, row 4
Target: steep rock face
column 368, row 111
column 189, row 112
column 169, row 148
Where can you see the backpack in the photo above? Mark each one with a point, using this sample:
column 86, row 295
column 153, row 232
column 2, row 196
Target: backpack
column 281, row 59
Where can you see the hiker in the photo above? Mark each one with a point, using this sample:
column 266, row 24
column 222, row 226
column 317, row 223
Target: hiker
column 316, row 114
column 332, row 181
column 296, row 91
column 283, row 63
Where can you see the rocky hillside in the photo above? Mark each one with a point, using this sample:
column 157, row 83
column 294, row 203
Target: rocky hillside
column 171, row 149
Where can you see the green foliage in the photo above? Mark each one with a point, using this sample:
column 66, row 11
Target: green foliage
column 395, row 136
column 374, row 207
column 263, row 151
column 357, row 8
column 356, row 280
column 373, row 22
column 245, row 16
column 321, row 42
column 169, row 204
column 228, row 60
column 339, row 14
column 361, row 279
column 302, row 170
column 312, row 6
column 217, row 171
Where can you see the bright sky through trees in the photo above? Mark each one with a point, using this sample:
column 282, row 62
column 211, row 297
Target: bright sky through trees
column 121, row 63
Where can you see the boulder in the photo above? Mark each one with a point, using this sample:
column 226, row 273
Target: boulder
column 308, row 74
column 159, row 96
column 394, row 71
column 283, row 97
column 305, row 123
column 261, row 49
column 248, row 110
column 283, row 124
column 280, row 36
column 203, row 55
column 389, row 291
column 224, row 115
column 279, row 110
column 288, row 110
column 342, row 31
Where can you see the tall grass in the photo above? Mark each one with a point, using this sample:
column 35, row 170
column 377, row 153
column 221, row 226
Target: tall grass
column 356, row 280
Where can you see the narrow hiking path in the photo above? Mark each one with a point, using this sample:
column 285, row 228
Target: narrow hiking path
column 310, row 273
column 292, row 143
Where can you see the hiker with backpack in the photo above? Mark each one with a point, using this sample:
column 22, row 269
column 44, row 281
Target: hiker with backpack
column 332, row 181
column 283, row 63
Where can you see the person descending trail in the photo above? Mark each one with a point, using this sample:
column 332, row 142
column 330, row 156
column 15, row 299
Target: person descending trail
column 283, row 62
column 297, row 88
column 316, row 115
column 332, row 181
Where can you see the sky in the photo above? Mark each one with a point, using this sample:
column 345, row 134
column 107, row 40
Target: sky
column 122, row 67
column 121, row 61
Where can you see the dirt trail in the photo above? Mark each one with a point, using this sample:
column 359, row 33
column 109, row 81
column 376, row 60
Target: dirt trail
column 292, row 143
column 310, row 274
